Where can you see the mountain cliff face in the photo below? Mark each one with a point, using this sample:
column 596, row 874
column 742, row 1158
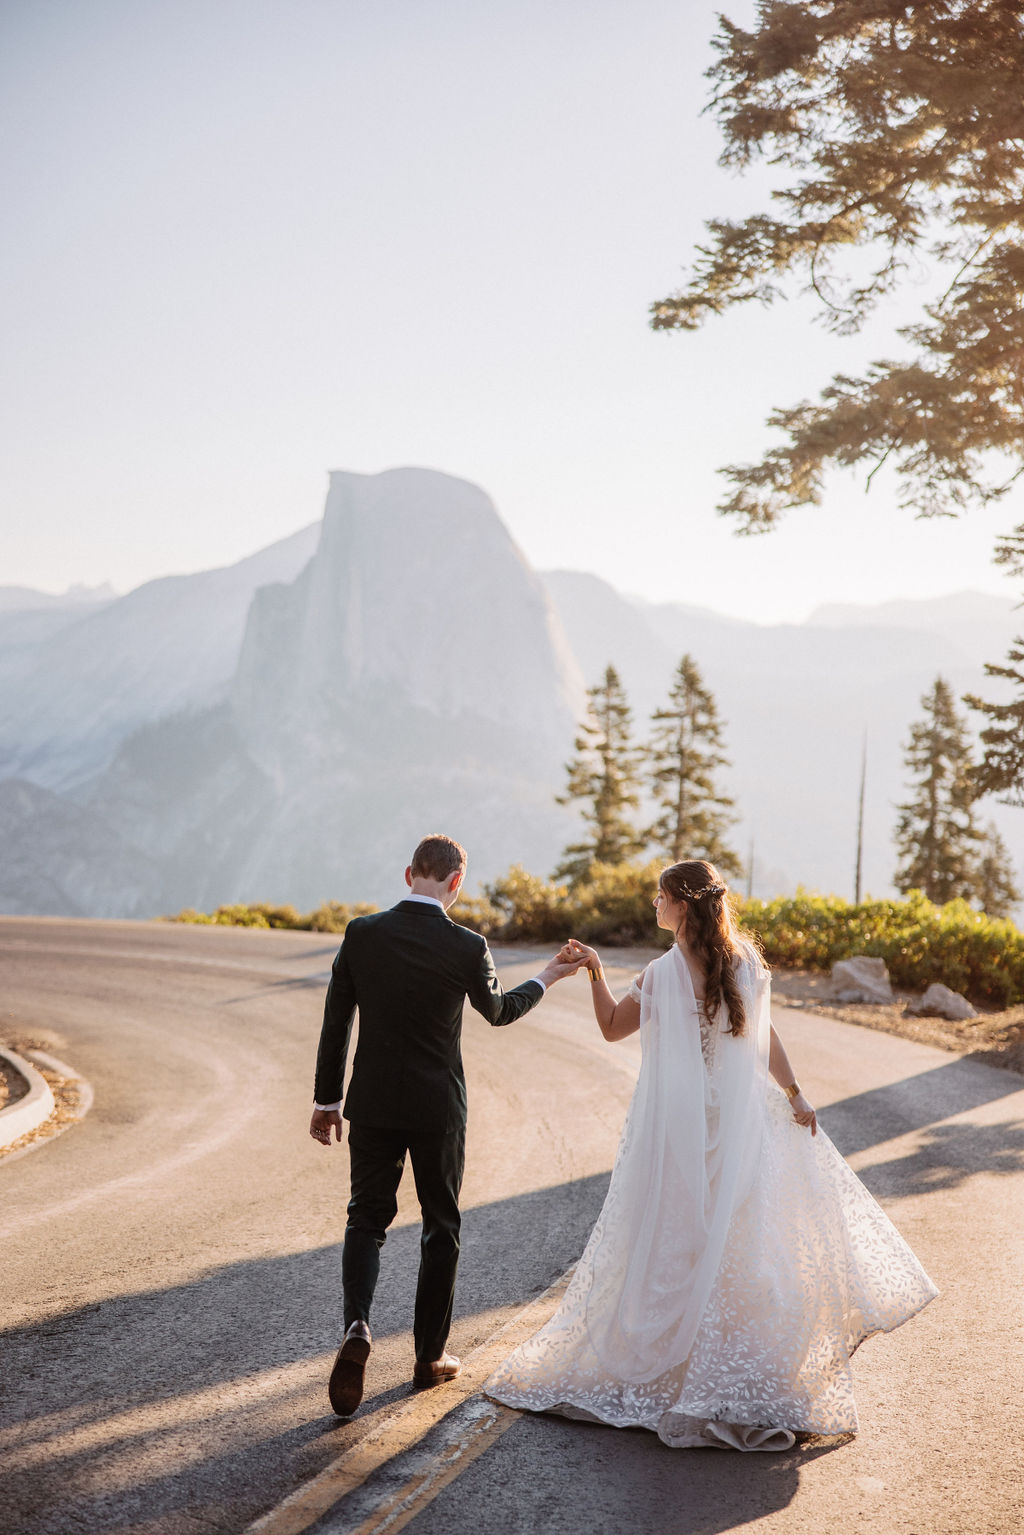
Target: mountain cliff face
column 410, row 675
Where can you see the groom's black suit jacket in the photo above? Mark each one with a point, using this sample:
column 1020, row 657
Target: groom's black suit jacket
column 409, row 971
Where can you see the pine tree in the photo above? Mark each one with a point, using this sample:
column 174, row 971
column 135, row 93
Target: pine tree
column 604, row 782
column 685, row 754
column 901, row 127
column 936, row 835
column 1001, row 770
column 996, row 889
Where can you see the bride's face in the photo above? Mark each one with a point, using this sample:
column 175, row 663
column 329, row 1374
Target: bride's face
column 669, row 913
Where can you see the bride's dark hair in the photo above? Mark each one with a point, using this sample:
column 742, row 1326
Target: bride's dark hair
column 709, row 927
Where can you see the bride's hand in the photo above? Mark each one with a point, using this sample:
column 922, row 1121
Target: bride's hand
column 581, row 954
column 803, row 1113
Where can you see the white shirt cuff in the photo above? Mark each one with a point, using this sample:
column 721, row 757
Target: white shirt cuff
column 537, row 980
column 328, row 1108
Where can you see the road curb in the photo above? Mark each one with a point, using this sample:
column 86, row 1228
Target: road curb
column 13, row 1130
column 27, row 1113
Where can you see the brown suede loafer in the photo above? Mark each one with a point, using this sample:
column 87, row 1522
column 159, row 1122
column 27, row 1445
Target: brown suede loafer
column 432, row 1373
column 345, row 1387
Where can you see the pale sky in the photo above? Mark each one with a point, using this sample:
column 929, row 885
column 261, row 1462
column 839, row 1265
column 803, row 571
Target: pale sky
column 249, row 241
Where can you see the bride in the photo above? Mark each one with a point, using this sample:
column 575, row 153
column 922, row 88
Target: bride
column 737, row 1262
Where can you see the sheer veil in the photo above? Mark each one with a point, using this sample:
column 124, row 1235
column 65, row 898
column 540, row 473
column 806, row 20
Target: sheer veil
column 687, row 1160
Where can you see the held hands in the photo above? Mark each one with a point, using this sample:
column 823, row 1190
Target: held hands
column 803, row 1113
column 579, row 954
column 323, row 1121
column 566, row 962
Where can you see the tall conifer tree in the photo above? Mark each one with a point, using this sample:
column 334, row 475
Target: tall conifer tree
column 686, row 752
column 1001, row 770
column 936, row 834
column 604, row 779
column 996, row 888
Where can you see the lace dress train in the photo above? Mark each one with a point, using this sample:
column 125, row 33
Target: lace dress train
column 807, row 1267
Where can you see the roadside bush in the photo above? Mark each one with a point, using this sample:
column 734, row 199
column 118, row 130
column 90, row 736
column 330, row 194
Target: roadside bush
column 615, row 905
column 478, row 913
column 981, row 956
column 332, row 917
column 335, row 916
column 528, row 907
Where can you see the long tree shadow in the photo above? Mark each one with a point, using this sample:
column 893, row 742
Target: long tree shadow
column 946, row 1157
column 946, row 1154
column 884, row 1113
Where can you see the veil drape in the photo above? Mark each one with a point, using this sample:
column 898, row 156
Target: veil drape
column 687, row 1160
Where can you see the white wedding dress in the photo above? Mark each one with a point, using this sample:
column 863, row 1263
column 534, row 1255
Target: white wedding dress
column 737, row 1261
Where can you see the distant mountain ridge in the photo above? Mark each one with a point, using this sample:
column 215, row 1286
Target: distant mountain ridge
column 76, row 678
column 285, row 727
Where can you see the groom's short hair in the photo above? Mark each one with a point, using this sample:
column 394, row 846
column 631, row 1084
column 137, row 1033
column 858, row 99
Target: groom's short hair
column 437, row 857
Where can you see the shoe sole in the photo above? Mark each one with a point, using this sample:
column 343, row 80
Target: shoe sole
column 345, row 1387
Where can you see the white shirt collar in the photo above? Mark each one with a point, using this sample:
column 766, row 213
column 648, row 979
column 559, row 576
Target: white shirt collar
column 428, row 900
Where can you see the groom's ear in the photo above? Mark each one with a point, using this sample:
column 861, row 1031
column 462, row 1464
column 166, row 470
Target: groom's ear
column 408, row 876
column 456, row 879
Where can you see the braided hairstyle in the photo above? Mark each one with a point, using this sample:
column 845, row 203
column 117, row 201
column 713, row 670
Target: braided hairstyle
column 710, row 930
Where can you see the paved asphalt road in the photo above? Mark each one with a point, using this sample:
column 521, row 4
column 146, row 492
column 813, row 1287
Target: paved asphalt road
column 170, row 1301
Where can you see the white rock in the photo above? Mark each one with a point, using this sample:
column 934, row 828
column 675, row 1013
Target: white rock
column 861, row 979
column 940, row 1001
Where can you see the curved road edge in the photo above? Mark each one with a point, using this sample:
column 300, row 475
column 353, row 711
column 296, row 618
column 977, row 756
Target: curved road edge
column 42, row 1113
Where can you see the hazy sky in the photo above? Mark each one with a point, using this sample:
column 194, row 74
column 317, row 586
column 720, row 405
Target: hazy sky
column 248, row 241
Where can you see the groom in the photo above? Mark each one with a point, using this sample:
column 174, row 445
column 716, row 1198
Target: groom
column 409, row 970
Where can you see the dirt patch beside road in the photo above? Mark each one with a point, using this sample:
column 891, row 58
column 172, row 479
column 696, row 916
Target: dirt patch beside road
column 995, row 1038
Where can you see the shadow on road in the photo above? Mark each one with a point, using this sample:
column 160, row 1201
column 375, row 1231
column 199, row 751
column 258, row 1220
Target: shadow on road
column 203, row 1403
column 207, row 1400
column 585, row 1478
column 883, row 1113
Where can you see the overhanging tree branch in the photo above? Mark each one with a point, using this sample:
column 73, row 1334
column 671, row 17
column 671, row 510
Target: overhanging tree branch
column 904, row 128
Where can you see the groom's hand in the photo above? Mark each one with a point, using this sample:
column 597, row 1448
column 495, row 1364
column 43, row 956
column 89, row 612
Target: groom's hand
column 321, row 1124
column 558, row 968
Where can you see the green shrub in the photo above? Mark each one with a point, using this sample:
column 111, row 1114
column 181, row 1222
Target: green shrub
column 616, row 905
column 240, row 916
column 332, row 917
column 335, row 916
column 477, row 912
column 529, row 908
column 920, row 942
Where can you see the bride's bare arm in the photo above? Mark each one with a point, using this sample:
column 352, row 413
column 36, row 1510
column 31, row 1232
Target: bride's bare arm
column 616, row 1020
column 785, row 1076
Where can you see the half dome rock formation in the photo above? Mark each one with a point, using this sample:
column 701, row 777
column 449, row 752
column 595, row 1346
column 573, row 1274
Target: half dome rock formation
column 413, row 676
column 416, row 600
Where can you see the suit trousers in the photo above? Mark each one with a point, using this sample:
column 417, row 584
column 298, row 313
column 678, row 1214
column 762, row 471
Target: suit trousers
column 377, row 1159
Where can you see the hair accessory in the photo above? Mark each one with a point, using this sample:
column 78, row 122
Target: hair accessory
column 696, row 895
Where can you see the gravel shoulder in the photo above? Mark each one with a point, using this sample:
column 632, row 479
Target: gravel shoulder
column 994, row 1039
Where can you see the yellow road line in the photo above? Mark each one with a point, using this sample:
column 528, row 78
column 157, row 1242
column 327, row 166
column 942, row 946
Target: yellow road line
column 404, row 1429
column 394, row 1513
